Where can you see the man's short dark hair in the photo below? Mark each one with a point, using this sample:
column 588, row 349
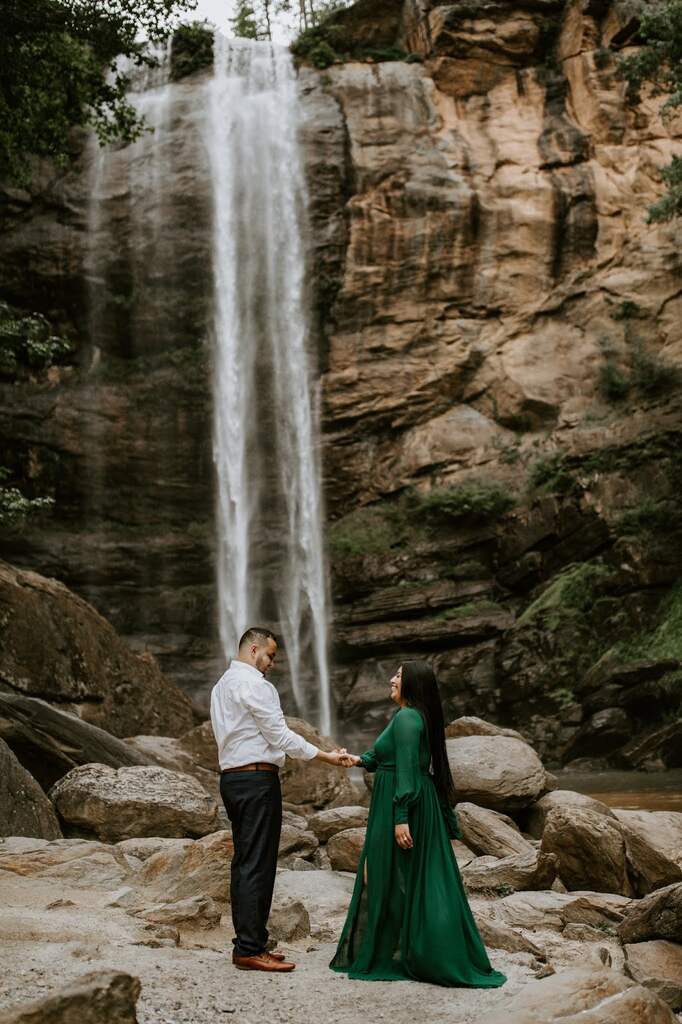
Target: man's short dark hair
column 256, row 635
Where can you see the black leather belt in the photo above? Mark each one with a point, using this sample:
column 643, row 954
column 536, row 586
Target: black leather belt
column 259, row 766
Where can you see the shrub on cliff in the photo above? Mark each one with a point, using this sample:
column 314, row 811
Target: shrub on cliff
column 466, row 501
column 15, row 507
column 192, row 49
column 27, row 340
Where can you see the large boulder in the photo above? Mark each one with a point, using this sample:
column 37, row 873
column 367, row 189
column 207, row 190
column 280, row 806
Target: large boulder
column 24, row 808
column 344, row 849
column 80, row 863
column 81, row 663
column 326, row 824
column 519, row 872
column 490, row 833
column 102, row 997
column 658, row 966
column 590, row 848
column 134, row 802
column 654, row 846
column 657, row 916
column 50, row 742
column 536, row 815
column 582, row 996
column 296, row 839
column 469, row 725
column 500, row 772
column 289, row 920
column 312, row 782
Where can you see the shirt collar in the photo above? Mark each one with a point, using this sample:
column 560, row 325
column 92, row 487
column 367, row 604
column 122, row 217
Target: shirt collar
column 244, row 666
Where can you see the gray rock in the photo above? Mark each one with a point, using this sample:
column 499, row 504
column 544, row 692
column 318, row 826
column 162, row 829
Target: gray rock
column 78, row 862
column 313, row 782
column 135, row 802
column 488, row 832
column 289, row 920
column 654, row 848
column 24, row 808
column 590, row 848
column 469, row 725
column 499, row 772
column 519, row 872
column 657, row 916
column 102, row 997
column 500, row 936
column 326, row 824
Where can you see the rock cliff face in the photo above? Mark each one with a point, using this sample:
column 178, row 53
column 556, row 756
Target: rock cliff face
column 493, row 313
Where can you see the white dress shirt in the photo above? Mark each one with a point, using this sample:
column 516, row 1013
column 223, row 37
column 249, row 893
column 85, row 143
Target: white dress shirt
column 248, row 722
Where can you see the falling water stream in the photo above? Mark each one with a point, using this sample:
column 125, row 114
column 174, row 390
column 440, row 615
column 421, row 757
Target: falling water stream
column 271, row 556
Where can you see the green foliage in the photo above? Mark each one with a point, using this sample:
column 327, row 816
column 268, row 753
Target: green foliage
column 27, row 341
column 245, row 24
column 639, row 370
column 659, row 62
column 480, row 501
column 325, row 43
column 651, row 375
column 665, row 640
column 551, row 473
column 563, row 697
column 15, row 508
column 192, row 49
column 627, row 310
column 613, row 383
column 648, row 518
column 574, row 591
column 365, row 531
column 462, row 611
column 54, row 59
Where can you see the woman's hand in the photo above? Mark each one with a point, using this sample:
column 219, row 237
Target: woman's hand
column 351, row 760
column 403, row 837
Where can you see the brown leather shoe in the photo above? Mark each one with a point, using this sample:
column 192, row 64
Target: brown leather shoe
column 261, row 962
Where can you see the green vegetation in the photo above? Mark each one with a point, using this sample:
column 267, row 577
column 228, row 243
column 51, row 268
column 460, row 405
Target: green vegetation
column 563, row 697
column 649, row 518
column 639, row 371
column 551, row 473
column 665, row 640
column 15, row 507
column 613, row 383
column 192, row 49
column 54, row 60
column 650, row 374
column 574, row 591
column 467, row 501
column 326, row 43
column 462, row 611
column 26, row 340
column 659, row 62
column 627, row 310
column 367, row 531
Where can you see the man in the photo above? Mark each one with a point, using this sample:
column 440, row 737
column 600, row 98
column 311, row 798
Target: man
column 253, row 739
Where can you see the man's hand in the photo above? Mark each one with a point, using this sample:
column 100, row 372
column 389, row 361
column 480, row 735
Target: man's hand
column 403, row 837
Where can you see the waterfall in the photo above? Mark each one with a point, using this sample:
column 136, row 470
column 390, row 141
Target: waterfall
column 270, row 545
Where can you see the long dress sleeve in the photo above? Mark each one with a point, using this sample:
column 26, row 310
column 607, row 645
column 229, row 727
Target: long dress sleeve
column 450, row 818
column 369, row 760
column 408, row 727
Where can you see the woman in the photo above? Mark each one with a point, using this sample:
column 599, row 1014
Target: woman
column 409, row 916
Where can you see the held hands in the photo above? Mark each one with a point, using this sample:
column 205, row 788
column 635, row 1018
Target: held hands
column 341, row 758
column 403, row 837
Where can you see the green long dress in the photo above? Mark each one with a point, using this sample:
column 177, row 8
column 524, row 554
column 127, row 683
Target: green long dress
column 410, row 918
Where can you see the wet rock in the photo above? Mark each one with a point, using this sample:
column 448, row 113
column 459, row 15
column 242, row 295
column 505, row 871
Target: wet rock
column 582, row 996
column 590, row 848
column 657, row 916
column 604, row 732
column 659, row 747
column 289, row 920
column 499, row 772
column 489, row 832
column 102, row 997
column 81, row 663
column 134, row 802
column 50, row 741
column 344, row 849
column 326, row 824
column 24, row 808
column 536, row 815
column 518, row 872
column 658, row 966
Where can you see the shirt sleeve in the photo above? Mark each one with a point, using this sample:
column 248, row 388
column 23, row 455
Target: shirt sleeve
column 407, row 731
column 267, row 711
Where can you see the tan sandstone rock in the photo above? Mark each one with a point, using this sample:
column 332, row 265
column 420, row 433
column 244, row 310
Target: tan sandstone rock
column 79, row 862
column 326, row 824
column 499, row 772
column 469, row 725
column 519, row 872
column 488, row 832
column 289, row 920
column 658, row 966
column 306, row 782
column 590, row 848
column 536, row 815
column 134, row 802
column 344, row 849
column 657, row 916
column 654, row 845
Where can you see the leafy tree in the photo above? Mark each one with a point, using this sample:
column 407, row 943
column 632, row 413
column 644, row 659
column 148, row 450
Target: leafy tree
column 15, row 507
column 58, row 69
column 659, row 62
column 245, row 23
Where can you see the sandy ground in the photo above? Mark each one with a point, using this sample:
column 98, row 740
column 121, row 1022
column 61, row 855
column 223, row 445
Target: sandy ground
column 42, row 949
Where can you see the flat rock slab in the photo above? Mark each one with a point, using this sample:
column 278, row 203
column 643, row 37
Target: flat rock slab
column 500, row 772
column 657, row 965
column 79, row 862
column 101, row 997
column 489, row 833
column 519, row 872
column 135, row 802
column 583, row 996
column 554, row 910
column 24, row 808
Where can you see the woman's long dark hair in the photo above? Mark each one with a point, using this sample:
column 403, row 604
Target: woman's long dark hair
column 419, row 690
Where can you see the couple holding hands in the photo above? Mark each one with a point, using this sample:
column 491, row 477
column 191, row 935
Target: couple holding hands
column 409, row 917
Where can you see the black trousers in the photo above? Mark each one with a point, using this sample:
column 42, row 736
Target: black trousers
column 253, row 801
